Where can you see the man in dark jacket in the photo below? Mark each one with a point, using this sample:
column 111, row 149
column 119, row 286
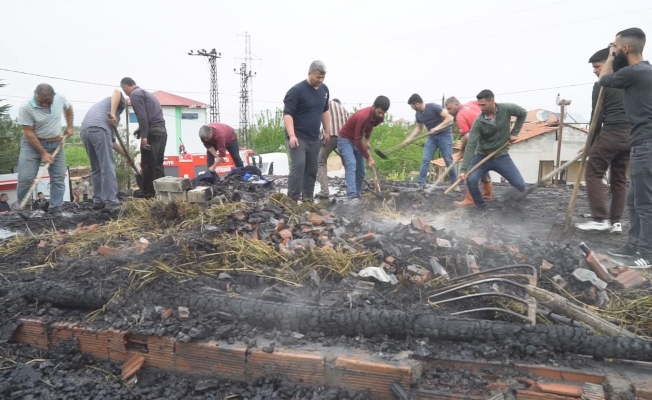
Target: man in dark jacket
column 151, row 132
column 609, row 150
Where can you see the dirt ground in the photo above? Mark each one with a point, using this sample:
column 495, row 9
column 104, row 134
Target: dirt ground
column 167, row 258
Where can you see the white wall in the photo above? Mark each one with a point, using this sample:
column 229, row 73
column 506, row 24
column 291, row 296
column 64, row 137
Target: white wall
column 526, row 155
column 188, row 129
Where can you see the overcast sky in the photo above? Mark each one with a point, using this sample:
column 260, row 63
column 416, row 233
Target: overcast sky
column 370, row 47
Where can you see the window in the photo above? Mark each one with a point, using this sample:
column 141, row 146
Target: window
column 189, row 116
column 132, row 118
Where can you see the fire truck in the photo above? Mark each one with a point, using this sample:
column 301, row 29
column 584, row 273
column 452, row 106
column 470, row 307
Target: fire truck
column 189, row 165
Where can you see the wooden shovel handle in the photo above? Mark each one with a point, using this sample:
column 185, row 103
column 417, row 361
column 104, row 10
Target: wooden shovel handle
column 476, row 166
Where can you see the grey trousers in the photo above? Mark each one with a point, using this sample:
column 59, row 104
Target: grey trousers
column 303, row 170
column 322, row 164
column 99, row 148
column 639, row 198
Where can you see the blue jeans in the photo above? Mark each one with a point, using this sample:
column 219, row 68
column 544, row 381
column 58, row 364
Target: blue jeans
column 353, row 167
column 29, row 162
column 502, row 165
column 639, row 199
column 99, row 147
column 443, row 142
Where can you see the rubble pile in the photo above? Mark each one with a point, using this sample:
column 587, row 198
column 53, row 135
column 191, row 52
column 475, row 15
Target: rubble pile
column 232, row 268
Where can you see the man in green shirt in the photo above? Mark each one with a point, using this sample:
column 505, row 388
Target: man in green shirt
column 490, row 131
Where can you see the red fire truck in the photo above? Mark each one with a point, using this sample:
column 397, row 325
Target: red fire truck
column 187, row 165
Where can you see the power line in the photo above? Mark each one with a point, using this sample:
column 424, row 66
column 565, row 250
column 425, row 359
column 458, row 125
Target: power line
column 425, row 32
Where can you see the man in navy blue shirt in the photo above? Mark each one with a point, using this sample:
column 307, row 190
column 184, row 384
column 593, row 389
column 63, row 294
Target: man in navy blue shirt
column 432, row 117
column 306, row 109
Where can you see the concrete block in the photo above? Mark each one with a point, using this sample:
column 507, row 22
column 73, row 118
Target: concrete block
column 168, row 197
column 202, row 194
column 163, row 197
column 178, row 196
column 172, row 184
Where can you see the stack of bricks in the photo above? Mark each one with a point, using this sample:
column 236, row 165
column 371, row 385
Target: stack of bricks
column 169, row 189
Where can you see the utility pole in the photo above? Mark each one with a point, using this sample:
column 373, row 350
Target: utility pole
column 245, row 76
column 443, row 100
column 562, row 103
column 247, row 116
column 212, row 57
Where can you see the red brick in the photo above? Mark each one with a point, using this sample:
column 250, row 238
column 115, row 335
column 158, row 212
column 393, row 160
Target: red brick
column 473, row 266
column 546, row 266
column 562, row 389
column 31, row 332
column 629, row 278
column 561, row 375
column 478, row 241
column 443, row 243
column 131, row 366
column 316, row 219
column 107, row 251
column 643, row 391
column 361, row 372
column 223, row 361
column 528, row 395
column 303, row 367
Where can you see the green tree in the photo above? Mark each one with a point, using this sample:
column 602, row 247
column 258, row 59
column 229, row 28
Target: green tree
column 268, row 135
column 10, row 137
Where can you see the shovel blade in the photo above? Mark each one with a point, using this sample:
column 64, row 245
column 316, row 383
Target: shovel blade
column 558, row 232
column 381, row 154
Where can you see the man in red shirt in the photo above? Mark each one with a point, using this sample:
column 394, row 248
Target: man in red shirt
column 353, row 144
column 465, row 115
column 218, row 139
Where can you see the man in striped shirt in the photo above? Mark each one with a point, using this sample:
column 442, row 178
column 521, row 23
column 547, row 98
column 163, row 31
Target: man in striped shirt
column 339, row 115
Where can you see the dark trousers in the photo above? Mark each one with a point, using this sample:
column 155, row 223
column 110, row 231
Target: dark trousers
column 303, row 171
column 234, row 150
column 639, row 198
column 502, row 165
column 609, row 151
column 151, row 161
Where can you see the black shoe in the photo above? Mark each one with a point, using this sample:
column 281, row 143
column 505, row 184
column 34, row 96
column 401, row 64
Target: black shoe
column 624, row 251
column 56, row 213
column 322, row 197
column 98, row 206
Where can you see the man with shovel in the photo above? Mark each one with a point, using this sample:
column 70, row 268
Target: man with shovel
column 432, row 117
column 97, row 137
column 465, row 115
column 609, row 150
column 634, row 76
column 489, row 132
column 151, row 132
column 353, row 144
column 40, row 118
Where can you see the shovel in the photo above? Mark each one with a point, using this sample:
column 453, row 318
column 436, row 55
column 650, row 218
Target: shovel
column 476, row 166
column 514, row 195
column 385, row 155
column 130, row 160
column 38, row 179
column 376, row 183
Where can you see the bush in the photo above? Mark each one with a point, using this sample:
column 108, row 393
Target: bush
column 76, row 155
column 268, row 135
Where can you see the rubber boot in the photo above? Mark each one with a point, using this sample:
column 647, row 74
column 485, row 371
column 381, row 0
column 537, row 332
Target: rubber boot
column 487, row 190
column 467, row 202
